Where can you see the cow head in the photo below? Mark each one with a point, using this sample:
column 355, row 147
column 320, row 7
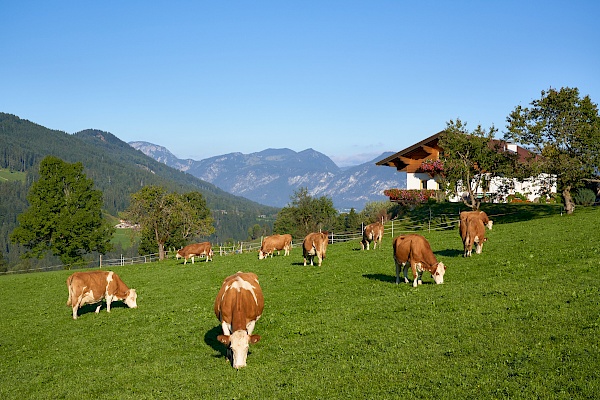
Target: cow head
column 131, row 298
column 178, row 255
column 438, row 274
column 238, row 342
column 261, row 254
column 489, row 224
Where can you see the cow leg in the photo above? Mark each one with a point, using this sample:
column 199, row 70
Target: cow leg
column 250, row 327
column 397, row 272
column 405, row 265
column 305, row 261
column 419, row 273
column 74, row 312
column 415, row 274
column 184, row 260
column 192, row 259
column 468, row 247
column 225, row 327
column 99, row 307
column 108, row 301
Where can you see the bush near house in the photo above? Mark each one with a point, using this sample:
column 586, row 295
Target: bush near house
column 584, row 197
column 410, row 197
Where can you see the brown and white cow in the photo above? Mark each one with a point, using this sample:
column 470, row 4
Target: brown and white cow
column 239, row 304
column 275, row 243
column 372, row 233
column 480, row 214
column 195, row 250
column 415, row 249
column 472, row 231
column 93, row 286
column 315, row 244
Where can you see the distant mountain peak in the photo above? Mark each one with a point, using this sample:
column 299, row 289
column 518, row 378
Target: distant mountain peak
column 271, row 176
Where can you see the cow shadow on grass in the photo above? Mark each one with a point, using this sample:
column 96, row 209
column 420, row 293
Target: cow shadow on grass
column 392, row 278
column 449, row 253
column 210, row 338
column 381, row 277
column 91, row 308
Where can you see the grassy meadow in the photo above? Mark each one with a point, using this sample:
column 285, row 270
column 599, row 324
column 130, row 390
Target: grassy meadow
column 8, row 176
column 521, row 320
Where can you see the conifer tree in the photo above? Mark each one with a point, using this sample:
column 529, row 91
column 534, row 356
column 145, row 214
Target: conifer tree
column 64, row 214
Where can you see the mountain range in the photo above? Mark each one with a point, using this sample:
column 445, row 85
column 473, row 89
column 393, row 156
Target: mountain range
column 271, row 176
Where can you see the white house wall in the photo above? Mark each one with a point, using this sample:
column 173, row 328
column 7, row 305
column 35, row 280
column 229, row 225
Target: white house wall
column 530, row 188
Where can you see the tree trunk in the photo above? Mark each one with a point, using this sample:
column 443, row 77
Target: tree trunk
column 161, row 251
column 569, row 204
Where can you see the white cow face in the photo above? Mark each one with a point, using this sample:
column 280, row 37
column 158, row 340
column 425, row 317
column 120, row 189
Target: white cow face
column 239, row 342
column 438, row 274
column 131, row 299
column 261, row 255
column 490, row 224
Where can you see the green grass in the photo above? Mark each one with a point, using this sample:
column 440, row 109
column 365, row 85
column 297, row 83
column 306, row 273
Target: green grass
column 123, row 236
column 521, row 320
column 8, row 176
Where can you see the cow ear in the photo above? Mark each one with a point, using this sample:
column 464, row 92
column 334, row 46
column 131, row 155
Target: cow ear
column 223, row 339
column 254, row 338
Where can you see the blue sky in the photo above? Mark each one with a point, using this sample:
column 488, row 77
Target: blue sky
column 350, row 79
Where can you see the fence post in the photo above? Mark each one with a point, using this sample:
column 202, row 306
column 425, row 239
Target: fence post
column 100, row 260
column 429, row 226
column 392, row 229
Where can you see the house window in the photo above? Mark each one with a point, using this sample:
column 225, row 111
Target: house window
column 423, row 184
column 439, row 186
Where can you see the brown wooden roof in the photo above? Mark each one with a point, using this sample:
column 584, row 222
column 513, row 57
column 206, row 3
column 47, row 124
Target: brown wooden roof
column 410, row 159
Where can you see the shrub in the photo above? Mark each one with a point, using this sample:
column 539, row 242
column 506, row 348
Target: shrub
column 585, row 197
column 409, row 197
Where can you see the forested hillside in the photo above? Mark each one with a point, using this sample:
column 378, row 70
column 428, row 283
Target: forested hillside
column 117, row 170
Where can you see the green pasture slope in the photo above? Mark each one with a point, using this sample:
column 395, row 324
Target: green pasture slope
column 8, row 176
column 521, row 320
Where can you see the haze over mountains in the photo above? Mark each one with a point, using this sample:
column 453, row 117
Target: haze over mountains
column 271, row 176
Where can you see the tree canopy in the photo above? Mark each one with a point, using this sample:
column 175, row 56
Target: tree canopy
column 564, row 129
column 471, row 159
column 64, row 214
column 168, row 219
column 305, row 214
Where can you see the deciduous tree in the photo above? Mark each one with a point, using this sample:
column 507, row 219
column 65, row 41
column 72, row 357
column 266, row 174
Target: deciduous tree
column 564, row 129
column 471, row 159
column 64, row 214
column 168, row 218
column 305, row 214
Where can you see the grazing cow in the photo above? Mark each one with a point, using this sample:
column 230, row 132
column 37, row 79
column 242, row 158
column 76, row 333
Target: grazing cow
column 195, row 250
column 481, row 214
column 416, row 250
column 315, row 244
column 239, row 304
column 472, row 231
column 275, row 243
column 372, row 233
column 93, row 286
